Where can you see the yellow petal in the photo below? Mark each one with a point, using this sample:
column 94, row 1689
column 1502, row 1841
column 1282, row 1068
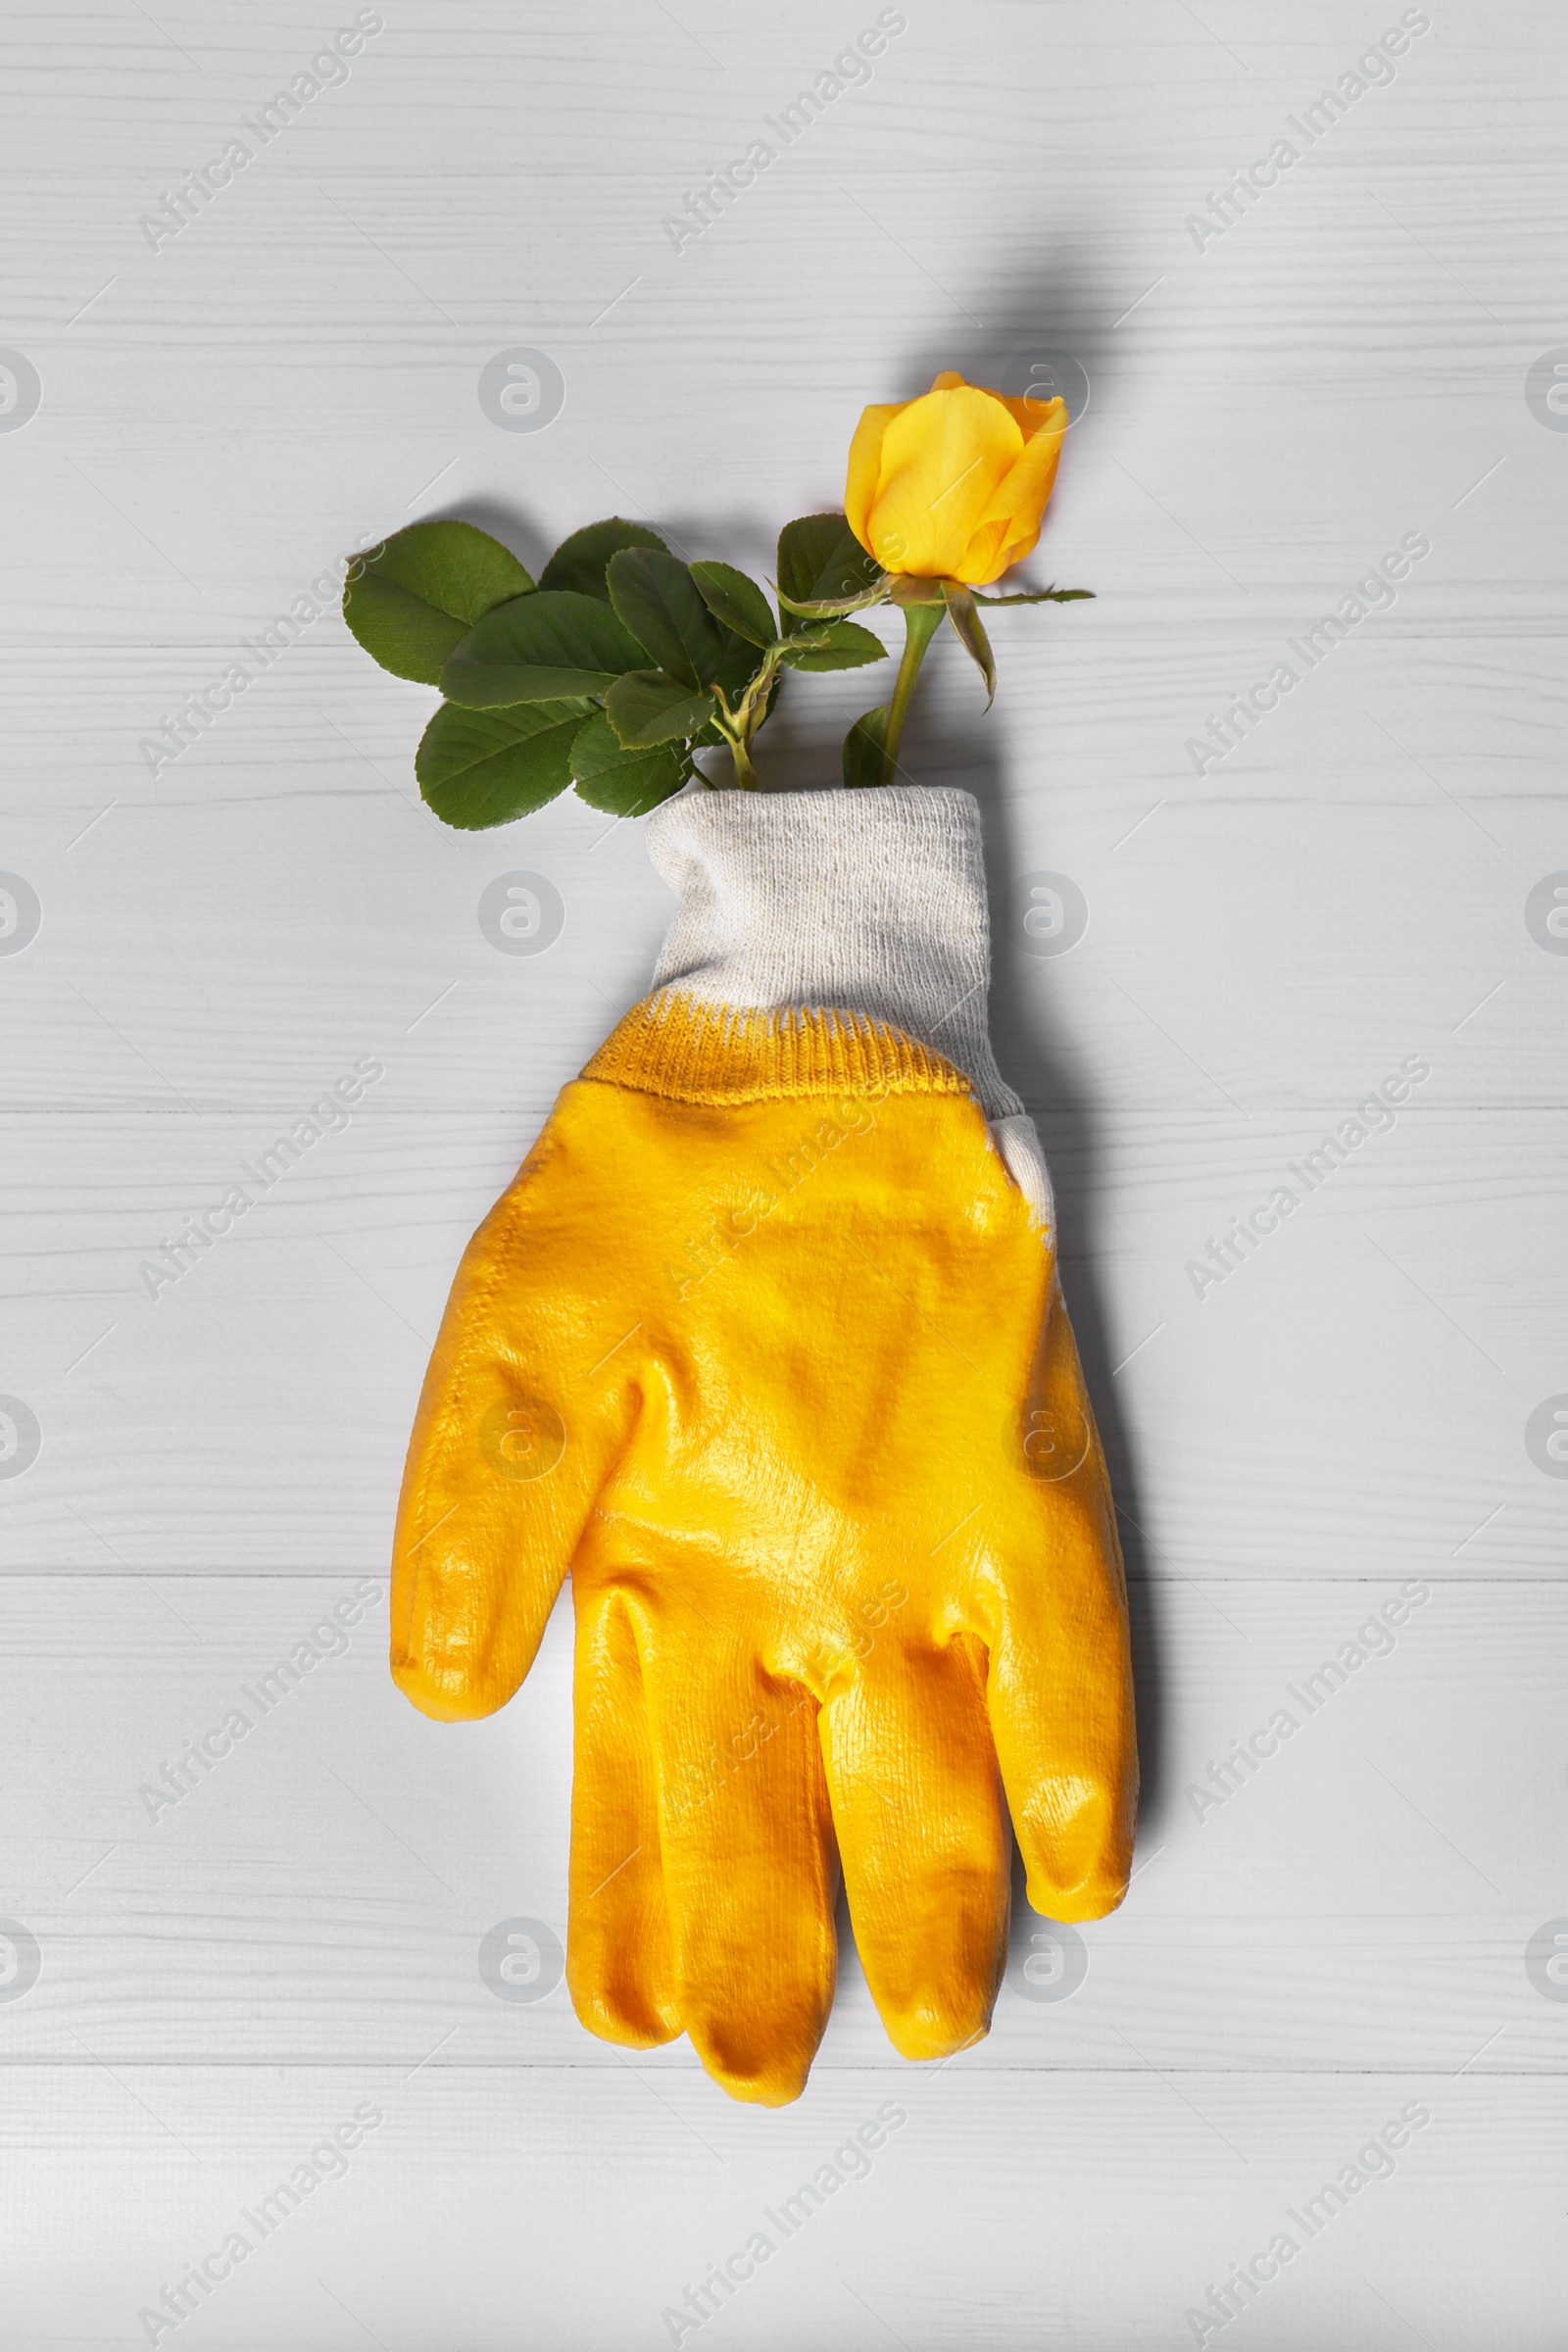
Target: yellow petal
column 985, row 558
column 865, row 466
column 1032, row 414
column 1029, row 413
column 944, row 457
column 1009, row 526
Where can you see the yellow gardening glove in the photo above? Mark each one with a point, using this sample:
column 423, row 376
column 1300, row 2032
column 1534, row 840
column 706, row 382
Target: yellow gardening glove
column 765, row 1346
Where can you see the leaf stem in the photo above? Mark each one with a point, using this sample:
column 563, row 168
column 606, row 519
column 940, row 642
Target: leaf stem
column 741, row 752
column 920, row 624
column 740, row 724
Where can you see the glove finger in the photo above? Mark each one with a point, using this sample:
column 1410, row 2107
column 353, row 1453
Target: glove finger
column 751, row 1875
column 509, row 1446
column 619, row 1965
column 1061, row 1684
column 923, row 1837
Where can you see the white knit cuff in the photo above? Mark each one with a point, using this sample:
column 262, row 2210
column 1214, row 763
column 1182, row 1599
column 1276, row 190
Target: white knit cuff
column 870, row 902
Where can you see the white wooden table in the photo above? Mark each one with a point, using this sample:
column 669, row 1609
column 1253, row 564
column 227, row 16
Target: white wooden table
column 1363, row 1929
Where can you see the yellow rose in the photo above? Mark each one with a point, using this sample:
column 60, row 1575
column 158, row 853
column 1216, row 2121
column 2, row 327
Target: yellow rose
column 953, row 485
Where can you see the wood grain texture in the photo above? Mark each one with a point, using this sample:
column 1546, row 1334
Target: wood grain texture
column 1270, row 934
column 1092, row 2211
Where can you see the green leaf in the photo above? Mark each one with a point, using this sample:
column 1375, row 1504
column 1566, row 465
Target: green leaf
column 656, row 597
column 735, row 603
column 625, row 783
column 864, row 747
column 1040, row 595
column 478, row 768
column 834, row 645
column 646, row 708
column 413, row 599
column 821, row 560
column 539, row 648
column 972, row 634
column 580, row 561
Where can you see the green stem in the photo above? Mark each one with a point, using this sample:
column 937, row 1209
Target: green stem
column 741, row 752
column 741, row 724
column 920, row 624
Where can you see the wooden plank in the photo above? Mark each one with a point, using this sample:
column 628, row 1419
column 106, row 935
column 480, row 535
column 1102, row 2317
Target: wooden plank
column 1351, row 1395
column 575, row 2208
column 1355, row 1891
